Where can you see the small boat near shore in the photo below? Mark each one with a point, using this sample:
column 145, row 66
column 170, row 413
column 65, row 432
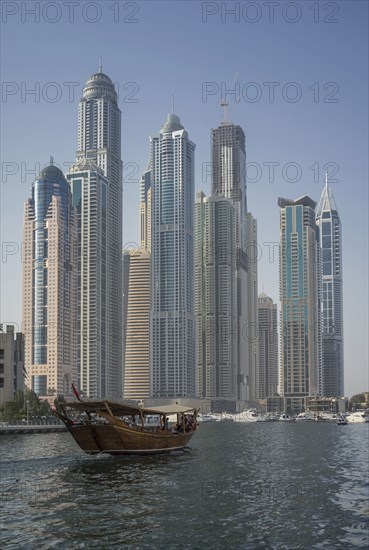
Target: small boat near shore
column 305, row 417
column 115, row 428
column 358, row 416
column 250, row 415
column 284, row 418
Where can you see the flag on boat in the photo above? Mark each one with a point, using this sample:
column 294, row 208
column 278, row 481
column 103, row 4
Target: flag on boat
column 76, row 392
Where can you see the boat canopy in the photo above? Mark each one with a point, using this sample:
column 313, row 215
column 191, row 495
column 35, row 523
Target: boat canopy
column 123, row 409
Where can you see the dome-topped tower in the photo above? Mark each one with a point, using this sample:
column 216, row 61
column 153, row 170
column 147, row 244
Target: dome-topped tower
column 98, row 85
column 172, row 124
column 51, row 173
column 97, row 189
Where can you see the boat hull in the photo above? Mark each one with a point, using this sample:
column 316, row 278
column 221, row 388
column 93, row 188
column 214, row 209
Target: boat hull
column 120, row 440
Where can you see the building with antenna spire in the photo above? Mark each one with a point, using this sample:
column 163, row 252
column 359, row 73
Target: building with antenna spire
column 329, row 224
column 229, row 180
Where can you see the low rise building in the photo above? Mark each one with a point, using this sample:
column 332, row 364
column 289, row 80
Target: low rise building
column 11, row 363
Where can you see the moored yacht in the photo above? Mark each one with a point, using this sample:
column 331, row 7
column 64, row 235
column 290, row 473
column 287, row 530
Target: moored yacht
column 207, row 418
column 304, row 417
column 251, row 415
column 284, row 418
column 358, row 416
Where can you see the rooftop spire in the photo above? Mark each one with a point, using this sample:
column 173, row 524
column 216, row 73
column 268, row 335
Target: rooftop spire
column 326, row 202
column 51, row 161
column 100, row 65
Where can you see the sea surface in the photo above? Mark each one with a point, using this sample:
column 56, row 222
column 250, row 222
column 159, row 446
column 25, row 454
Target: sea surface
column 239, row 486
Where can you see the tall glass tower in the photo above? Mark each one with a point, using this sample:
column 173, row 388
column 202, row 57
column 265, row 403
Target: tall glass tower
column 328, row 221
column 50, row 285
column 229, row 180
column 268, row 346
column 229, row 171
column 172, row 328
column 300, row 302
column 216, row 297
column 99, row 142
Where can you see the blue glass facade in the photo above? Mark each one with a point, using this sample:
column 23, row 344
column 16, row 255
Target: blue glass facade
column 300, row 297
column 50, row 183
column 329, row 224
column 172, row 315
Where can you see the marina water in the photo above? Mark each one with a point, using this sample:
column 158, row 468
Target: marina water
column 239, row 486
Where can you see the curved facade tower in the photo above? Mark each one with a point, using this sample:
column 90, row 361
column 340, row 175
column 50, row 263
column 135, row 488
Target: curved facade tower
column 99, row 144
column 300, row 291
column 328, row 221
column 172, row 329
column 49, row 285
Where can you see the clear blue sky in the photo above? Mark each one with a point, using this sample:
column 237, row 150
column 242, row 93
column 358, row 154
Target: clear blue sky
column 174, row 48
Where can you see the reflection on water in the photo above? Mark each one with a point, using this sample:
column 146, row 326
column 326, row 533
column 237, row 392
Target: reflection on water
column 240, row 486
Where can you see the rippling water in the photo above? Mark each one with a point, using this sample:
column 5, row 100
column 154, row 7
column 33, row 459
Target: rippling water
column 239, row 486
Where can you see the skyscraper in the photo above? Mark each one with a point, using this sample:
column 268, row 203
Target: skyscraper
column 328, row 222
column 229, row 180
column 50, row 285
column 99, row 142
column 250, row 331
column 300, row 301
column 137, row 303
column 137, row 329
column 172, row 329
column 90, row 190
column 268, row 346
column 145, row 210
column 216, row 297
column 229, row 171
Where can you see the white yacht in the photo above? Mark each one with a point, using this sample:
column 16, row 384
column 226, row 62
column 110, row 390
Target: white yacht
column 284, row 418
column 304, row 417
column 251, row 415
column 207, row 418
column 358, row 416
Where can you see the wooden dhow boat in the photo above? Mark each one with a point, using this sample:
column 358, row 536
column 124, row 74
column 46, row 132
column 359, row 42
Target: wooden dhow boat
column 115, row 428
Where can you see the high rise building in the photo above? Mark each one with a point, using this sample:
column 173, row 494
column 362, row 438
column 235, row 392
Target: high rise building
column 216, row 297
column 329, row 224
column 90, row 190
column 137, row 303
column 229, row 171
column 250, row 331
column 50, row 285
column 300, row 302
column 229, row 180
column 137, row 328
column 11, row 363
column 172, row 328
column 99, row 142
column 268, row 346
column 145, row 210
